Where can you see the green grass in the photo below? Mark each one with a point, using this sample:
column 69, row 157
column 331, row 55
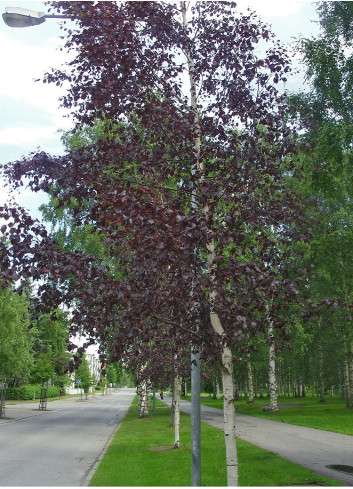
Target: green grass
column 333, row 415
column 131, row 459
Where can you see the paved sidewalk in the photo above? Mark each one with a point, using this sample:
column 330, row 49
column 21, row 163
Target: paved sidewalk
column 309, row 447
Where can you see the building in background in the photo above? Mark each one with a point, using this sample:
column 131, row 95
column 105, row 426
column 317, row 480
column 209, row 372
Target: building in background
column 94, row 366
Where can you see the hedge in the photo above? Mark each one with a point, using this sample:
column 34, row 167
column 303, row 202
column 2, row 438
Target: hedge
column 29, row 392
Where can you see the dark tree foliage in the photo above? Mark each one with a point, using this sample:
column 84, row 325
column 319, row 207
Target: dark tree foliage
column 146, row 190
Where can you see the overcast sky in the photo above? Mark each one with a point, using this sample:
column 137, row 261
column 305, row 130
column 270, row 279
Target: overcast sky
column 30, row 116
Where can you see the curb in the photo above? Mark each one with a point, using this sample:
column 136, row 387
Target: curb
column 92, row 471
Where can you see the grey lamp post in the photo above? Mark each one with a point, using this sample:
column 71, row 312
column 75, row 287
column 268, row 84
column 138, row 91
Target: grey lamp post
column 22, row 17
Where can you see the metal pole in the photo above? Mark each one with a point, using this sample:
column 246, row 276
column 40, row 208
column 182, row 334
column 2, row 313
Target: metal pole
column 57, row 16
column 195, row 418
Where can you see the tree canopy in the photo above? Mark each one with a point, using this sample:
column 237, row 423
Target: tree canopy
column 187, row 187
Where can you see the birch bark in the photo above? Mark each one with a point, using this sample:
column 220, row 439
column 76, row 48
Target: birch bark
column 142, row 397
column 235, row 388
column 272, row 382
column 250, row 379
column 176, row 410
column 227, row 383
column 216, row 393
column 172, row 405
column 148, row 393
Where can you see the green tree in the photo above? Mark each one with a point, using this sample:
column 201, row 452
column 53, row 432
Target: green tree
column 43, row 369
column 51, row 334
column 83, row 373
column 16, row 357
column 327, row 109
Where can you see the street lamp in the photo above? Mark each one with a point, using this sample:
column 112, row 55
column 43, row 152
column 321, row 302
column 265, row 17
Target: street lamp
column 22, row 17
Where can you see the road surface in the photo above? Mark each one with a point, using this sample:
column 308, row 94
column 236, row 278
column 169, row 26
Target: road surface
column 60, row 446
column 314, row 449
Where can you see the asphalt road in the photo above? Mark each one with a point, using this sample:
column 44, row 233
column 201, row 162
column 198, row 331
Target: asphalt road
column 59, row 446
column 311, row 448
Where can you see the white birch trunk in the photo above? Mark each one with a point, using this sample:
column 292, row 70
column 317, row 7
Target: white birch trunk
column 142, row 398
column 227, row 383
column 250, row 379
column 272, row 383
column 229, row 418
column 218, row 395
column 148, row 393
column 176, row 410
column 235, row 388
column 172, row 405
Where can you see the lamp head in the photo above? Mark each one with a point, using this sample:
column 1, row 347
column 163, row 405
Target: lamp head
column 21, row 17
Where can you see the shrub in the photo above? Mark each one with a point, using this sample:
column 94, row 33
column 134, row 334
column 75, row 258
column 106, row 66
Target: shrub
column 54, row 391
column 28, row 392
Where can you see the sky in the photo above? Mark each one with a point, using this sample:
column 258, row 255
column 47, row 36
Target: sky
column 30, row 117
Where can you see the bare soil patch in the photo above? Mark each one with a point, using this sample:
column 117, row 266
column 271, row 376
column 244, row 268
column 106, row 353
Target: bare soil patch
column 161, row 448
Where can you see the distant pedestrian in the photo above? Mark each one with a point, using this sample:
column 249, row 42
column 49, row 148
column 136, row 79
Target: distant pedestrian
column 161, row 394
column 61, row 392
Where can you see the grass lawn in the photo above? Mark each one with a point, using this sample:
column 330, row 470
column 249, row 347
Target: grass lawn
column 141, row 454
column 333, row 415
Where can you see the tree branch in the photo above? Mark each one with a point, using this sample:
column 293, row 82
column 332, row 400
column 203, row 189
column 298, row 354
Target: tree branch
column 178, row 325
